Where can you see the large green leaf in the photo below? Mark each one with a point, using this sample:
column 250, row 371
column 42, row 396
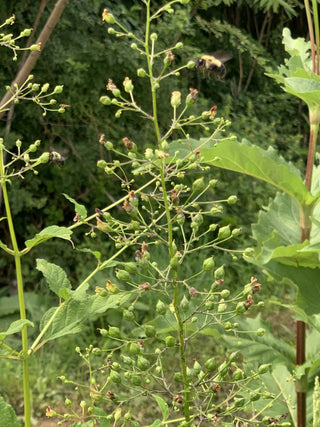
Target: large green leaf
column 266, row 165
column 8, row 417
column 56, row 277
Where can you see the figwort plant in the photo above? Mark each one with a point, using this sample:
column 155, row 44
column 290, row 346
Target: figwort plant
column 166, row 221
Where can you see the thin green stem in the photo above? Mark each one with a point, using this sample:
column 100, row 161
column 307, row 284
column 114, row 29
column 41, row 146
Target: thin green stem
column 317, row 31
column 17, row 260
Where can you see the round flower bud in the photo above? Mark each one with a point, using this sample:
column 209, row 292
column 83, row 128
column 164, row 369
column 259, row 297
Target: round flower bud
column 224, row 232
column 154, row 36
column 44, row 158
column 232, row 200
column 175, row 99
column 105, row 100
column 135, row 348
column 211, row 364
column 170, row 341
column 208, row 264
column 198, row 184
column 219, row 273
column 141, row 72
column 58, row 89
column 127, row 84
column 108, row 17
column 225, row 293
column 161, row 307
column 263, row 369
column 143, row 363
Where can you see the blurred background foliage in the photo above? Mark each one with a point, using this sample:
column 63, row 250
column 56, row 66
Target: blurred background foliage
column 82, row 56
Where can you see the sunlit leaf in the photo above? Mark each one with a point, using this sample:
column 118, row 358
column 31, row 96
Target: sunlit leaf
column 48, row 233
column 265, row 165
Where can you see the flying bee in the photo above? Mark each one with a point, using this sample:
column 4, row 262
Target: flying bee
column 56, row 158
column 214, row 64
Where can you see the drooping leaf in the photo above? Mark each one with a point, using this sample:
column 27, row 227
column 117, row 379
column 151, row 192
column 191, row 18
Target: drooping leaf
column 80, row 209
column 56, row 277
column 266, row 165
column 16, row 327
column 7, row 415
column 48, row 233
column 164, row 408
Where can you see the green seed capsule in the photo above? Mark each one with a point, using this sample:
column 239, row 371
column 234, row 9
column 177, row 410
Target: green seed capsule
column 219, row 273
column 123, row 275
column 150, row 331
column 198, row 185
column 224, row 232
column 161, row 307
column 260, row 332
column 170, row 341
column 208, row 264
column 264, row 369
column 211, row 364
column 134, row 348
column 227, row 326
column 196, row 368
column 178, row 377
column 240, row 308
column 114, row 331
column 225, row 293
column 143, row 363
column 238, row 402
column 115, row 377
column 136, row 379
column 184, row 304
column 131, row 267
column 238, row 374
column 232, row 200
column 254, row 396
column 174, row 262
column 222, row 307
